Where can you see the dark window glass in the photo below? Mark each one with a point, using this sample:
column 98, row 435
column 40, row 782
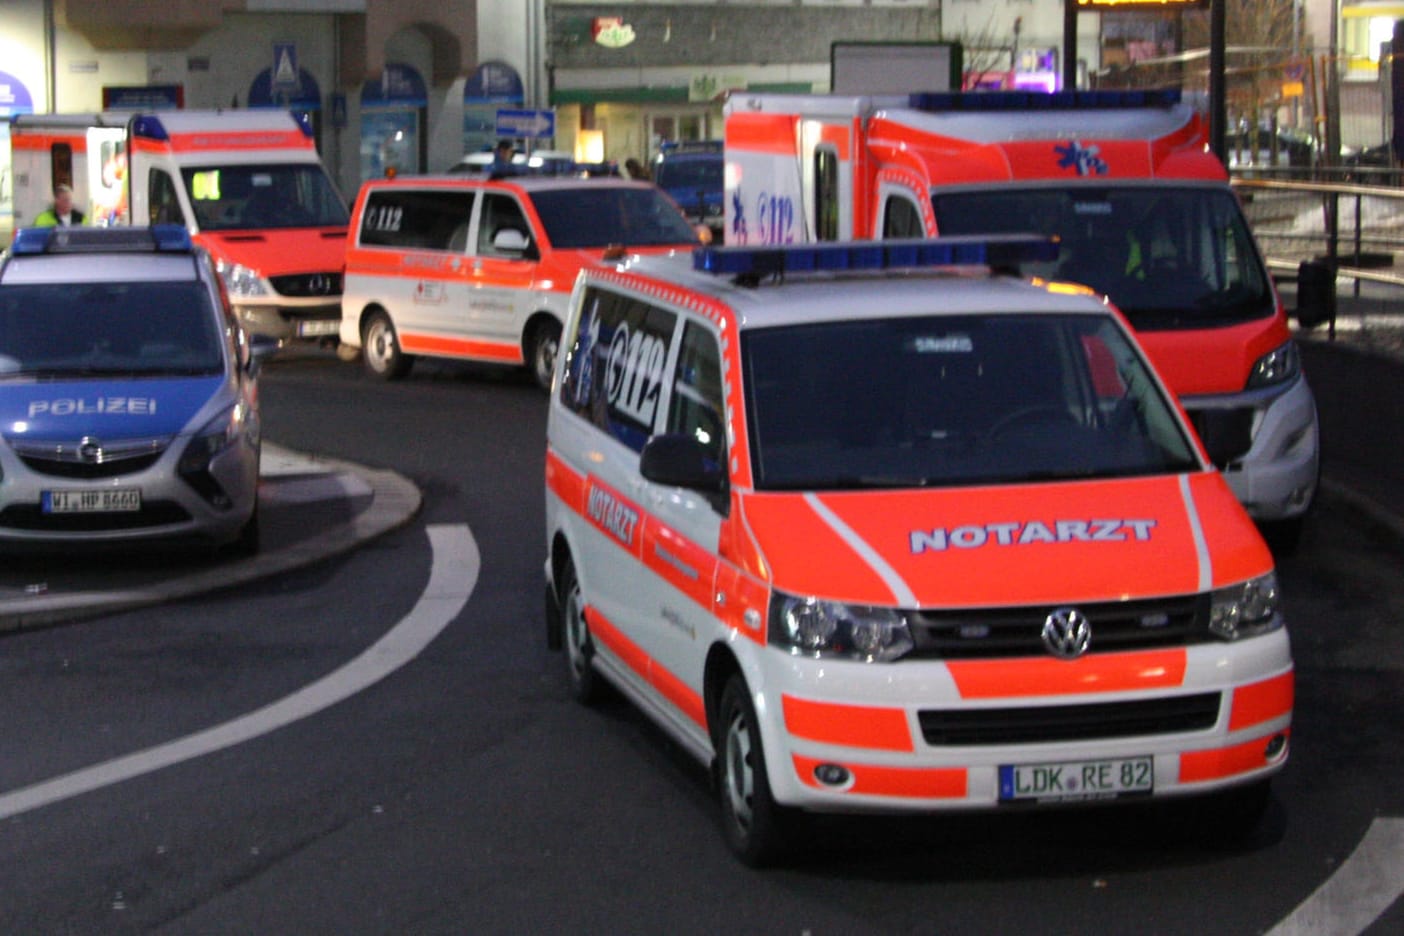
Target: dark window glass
column 417, row 219
column 1177, row 257
column 954, row 400
column 595, row 216
column 164, row 202
column 697, row 406
column 232, row 198
column 614, row 373
column 902, row 219
column 501, row 213
column 826, row 195
column 108, row 329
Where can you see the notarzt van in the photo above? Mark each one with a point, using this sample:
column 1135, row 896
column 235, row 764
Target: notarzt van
column 863, row 535
column 481, row 269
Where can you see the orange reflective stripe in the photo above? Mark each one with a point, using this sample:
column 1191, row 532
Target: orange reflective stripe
column 567, row 483
column 678, row 561
column 1262, row 701
column 1238, row 552
column 1113, row 672
column 863, row 726
column 671, row 687
column 462, row 347
column 1196, row 766
column 905, row 782
column 24, row 140
column 761, row 133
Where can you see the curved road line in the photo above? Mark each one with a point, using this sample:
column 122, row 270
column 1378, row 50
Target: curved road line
column 452, row 576
column 1360, row 891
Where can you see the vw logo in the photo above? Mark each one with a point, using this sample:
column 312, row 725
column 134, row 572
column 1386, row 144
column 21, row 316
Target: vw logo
column 319, row 284
column 1067, row 633
column 89, row 451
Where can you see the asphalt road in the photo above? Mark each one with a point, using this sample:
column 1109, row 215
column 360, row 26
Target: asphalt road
column 444, row 783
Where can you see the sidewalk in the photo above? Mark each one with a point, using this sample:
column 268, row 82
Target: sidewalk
column 310, row 509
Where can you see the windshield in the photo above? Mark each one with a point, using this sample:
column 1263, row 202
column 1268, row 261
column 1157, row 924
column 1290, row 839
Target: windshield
column 601, row 215
column 60, row 331
column 1168, row 257
column 954, row 400
column 237, row 198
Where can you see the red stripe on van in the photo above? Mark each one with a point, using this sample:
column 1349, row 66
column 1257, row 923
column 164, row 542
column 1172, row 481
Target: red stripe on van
column 1112, row 672
column 864, row 726
column 904, row 782
column 504, row 352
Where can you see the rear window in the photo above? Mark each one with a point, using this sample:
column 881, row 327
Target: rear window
column 597, row 216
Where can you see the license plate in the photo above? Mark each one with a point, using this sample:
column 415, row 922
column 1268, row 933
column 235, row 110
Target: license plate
column 319, row 327
column 108, row 500
column 1077, row 780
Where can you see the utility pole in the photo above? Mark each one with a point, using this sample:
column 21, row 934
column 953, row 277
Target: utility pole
column 1069, row 45
column 1218, row 96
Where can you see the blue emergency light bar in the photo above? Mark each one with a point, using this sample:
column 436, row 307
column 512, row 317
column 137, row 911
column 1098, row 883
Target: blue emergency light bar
column 149, row 128
column 994, row 251
column 164, row 238
column 996, row 101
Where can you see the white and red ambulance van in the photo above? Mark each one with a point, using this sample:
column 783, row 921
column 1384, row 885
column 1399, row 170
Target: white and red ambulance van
column 247, row 184
column 1144, row 212
column 862, row 535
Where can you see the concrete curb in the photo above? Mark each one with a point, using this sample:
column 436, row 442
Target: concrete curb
column 394, row 502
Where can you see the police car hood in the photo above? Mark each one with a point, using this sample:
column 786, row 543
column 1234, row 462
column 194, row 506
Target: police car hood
column 280, row 252
column 1009, row 545
column 103, row 409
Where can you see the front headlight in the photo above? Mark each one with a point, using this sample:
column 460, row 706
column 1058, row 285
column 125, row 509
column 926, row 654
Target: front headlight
column 832, row 629
column 1245, row 610
column 240, row 281
column 1277, row 366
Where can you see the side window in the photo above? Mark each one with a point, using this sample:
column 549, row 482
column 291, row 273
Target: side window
column 164, row 202
column 615, row 364
column 501, row 213
column 901, row 219
column 61, row 164
column 417, row 220
column 697, row 405
column 826, row 195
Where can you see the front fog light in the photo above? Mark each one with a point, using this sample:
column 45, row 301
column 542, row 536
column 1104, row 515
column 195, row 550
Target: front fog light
column 1245, row 610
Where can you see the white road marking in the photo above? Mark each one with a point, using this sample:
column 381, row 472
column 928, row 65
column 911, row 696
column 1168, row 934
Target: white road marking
column 1363, row 887
column 452, row 576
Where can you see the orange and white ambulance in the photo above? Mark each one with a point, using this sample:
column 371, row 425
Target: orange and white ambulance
column 247, row 184
column 478, row 268
column 863, row 535
column 1143, row 210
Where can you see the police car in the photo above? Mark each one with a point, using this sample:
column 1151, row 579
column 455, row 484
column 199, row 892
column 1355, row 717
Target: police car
column 881, row 527
column 128, row 392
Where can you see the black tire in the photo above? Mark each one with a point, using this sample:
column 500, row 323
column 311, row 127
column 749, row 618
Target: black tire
column 584, row 682
column 543, row 344
column 380, row 348
column 753, row 824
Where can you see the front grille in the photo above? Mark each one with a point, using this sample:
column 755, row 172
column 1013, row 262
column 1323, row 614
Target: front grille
column 307, row 285
column 1117, row 626
column 88, row 458
column 1070, row 722
column 32, row 518
column 1226, row 433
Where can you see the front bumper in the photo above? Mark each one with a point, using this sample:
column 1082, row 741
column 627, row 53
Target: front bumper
column 874, row 721
column 171, row 507
column 1275, row 477
column 291, row 319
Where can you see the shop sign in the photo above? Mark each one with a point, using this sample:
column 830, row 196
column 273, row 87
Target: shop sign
column 612, row 32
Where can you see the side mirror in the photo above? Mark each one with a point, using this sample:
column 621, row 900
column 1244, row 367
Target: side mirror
column 510, row 240
column 1316, row 293
column 681, row 461
column 261, row 348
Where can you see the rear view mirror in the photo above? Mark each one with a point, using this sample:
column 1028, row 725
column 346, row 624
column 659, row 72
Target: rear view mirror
column 1316, row 293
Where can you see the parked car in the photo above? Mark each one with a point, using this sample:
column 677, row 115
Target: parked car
column 692, row 174
column 128, row 392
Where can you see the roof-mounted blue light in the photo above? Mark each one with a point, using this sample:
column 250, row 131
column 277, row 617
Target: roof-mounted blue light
column 164, row 238
column 31, row 240
column 758, row 262
column 149, row 127
column 304, row 121
column 996, row 101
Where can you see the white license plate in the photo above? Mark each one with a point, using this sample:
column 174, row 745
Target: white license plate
column 319, row 327
column 1077, row 780
column 107, row 500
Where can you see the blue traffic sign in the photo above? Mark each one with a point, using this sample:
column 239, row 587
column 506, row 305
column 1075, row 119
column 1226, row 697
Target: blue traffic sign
column 529, row 124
